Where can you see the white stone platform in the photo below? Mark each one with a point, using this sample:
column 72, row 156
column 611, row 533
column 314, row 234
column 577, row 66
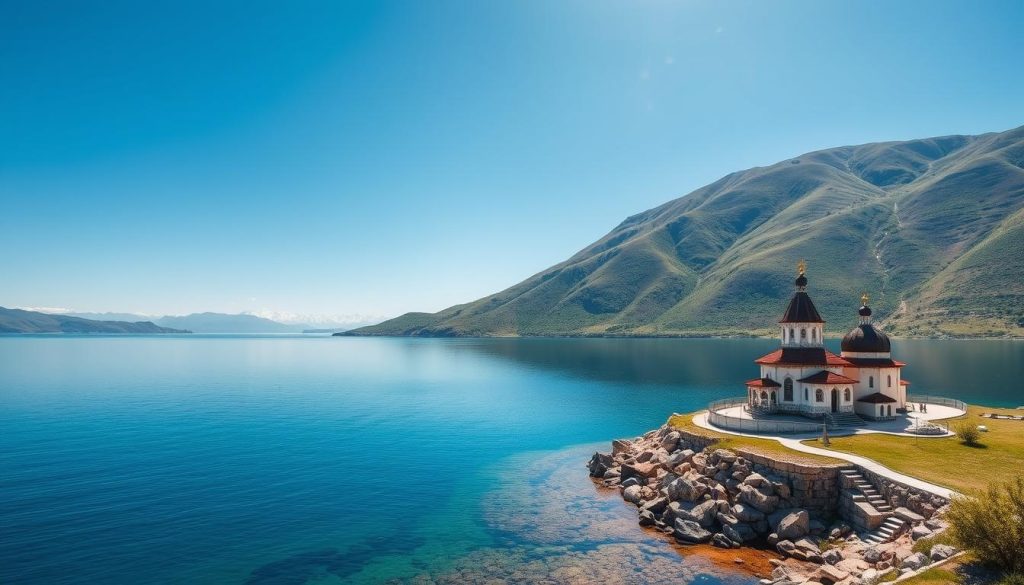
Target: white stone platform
column 896, row 426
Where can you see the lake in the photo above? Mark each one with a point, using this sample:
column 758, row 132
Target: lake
column 306, row 459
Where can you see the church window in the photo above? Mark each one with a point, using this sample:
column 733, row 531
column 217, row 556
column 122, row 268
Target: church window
column 805, row 394
column 889, row 408
column 787, row 390
column 819, row 395
column 803, row 334
column 846, row 395
column 792, row 335
column 814, row 335
column 871, row 381
column 890, row 381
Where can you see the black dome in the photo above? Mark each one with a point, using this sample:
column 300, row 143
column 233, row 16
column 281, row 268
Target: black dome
column 864, row 311
column 865, row 338
column 801, row 280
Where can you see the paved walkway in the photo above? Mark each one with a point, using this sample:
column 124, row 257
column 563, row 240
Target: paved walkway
column 895, row 426
column 793, row 442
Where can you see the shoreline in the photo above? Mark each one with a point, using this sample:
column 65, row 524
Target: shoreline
column 690, row 490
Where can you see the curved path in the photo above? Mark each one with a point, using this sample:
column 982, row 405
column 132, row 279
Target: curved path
column 793, row 442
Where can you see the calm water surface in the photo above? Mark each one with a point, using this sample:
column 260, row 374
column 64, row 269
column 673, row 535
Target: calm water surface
column 218, row 459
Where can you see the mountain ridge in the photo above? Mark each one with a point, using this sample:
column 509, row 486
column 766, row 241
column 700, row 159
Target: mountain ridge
column 22, row 321
column 907, row 221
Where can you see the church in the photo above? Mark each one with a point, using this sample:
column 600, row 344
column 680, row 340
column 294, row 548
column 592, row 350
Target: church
column 804, row 378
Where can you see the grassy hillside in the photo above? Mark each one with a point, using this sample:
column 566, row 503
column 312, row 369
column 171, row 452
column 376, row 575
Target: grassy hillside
column 19, row 321
column 931, row 228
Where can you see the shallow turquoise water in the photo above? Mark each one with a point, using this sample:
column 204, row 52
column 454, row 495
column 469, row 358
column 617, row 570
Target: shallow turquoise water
column 219, row 459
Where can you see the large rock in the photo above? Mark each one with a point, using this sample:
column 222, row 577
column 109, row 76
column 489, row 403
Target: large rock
column 647, row 518
column 686, row 489
column 657, row 505
column 794, row 525
column 756, row 498
column 828, row 574
column 747, row 513
column 638, row 470
column 915, row 561
column 755, row 480
column 872, row 555
column 690, row 532
column 671, row 441
column 703, row 513
column 941, row 552
column 785, row 547
column 919, row 532
column 599, row 464
column 632, row 494
column 832, row 556
column 621, row 446
column 723, row 541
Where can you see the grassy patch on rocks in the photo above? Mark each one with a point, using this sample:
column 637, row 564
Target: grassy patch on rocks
column 766, row 447
column 948, row 461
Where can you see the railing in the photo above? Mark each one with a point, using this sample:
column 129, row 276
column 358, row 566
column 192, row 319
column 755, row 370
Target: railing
column 754, row 425
column 940, row 400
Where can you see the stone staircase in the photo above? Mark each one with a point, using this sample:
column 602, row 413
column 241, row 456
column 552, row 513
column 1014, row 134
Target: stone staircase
column 866, row 509
column 846, row 419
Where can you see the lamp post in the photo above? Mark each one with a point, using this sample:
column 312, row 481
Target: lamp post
column 824, row 434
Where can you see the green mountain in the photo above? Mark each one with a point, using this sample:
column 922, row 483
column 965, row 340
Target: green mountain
column 932, row 229
column 19, row 321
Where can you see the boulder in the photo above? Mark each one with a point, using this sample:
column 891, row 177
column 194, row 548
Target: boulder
column 785, row 547
column 915, row 561
column 872, row 555
column 832, row 556
column 690, row 532
column 941, row 552
column 621, row 446
column 722, row 541
column 745, row 531
column 755, row 480
column 703, row 513
column 686, row 489
column 599, row 464
column 631, row 481
column 631, row 494
column 794, row 525
column 747, row 513
column 732, row 534
column 919, row 532
column 757, row 499
column 647, row 518
column 638, row 470
column 722, row 456
column 828, row 574
column 656, row 506
column 869, row 577
column 645, row 457
column 726, row 519
column 670, row 441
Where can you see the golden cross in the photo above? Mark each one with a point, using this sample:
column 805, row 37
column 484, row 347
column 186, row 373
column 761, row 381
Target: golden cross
column 864, row 299
column 801, row 267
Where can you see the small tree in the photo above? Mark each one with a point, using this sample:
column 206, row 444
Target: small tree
column 991, row 525
column 968, row 433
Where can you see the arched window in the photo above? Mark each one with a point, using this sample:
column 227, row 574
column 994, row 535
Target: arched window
column 819, row 395
column 889, row 408
column 764, row 397
column 881, row 410
column 846, row 395
column 871, row 381
column 803, row 334
column 787, row 390
column 890, row 381
column 814, row 335
column 805, row 394
column 775, row 397
column 792, row 335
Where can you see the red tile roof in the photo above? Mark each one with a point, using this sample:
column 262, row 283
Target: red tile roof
column 763, row 383
column 802, row 356
column 874, row 362
column 877, row 398
column 827, row 377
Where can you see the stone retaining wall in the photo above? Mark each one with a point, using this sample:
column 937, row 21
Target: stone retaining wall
column 900, row 495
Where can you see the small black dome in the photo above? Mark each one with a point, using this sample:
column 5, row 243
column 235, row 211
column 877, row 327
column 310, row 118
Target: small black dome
column 801, row 280
column 866, row 339
column 865, row 311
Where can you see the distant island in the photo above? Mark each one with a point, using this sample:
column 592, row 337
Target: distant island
column 21, row 321
column 931, row 228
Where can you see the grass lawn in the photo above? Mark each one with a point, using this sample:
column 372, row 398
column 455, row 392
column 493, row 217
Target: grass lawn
column 768, row 447
column 946, row 461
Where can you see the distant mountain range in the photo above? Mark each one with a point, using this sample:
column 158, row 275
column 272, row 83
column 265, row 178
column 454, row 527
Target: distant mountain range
column 932, row 229
column 214, row 322
column 19, row 321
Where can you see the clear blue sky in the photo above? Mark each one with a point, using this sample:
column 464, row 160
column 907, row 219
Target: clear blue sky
column 377, row 158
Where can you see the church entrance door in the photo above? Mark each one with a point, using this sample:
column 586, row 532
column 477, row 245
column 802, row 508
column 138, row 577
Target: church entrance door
column 835, row 400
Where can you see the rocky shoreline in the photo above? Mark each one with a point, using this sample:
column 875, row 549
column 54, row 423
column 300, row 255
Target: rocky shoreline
column 686, row 487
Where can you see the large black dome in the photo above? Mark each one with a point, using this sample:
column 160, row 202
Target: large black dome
column 865, row 338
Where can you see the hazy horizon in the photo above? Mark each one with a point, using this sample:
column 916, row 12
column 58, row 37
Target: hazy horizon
column 371, row 159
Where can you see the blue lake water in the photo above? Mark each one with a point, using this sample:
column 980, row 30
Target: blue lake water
column 291, row 460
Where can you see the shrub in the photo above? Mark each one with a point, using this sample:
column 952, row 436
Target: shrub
column 968, row 433
column 1012, row 579
column 991, row 525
